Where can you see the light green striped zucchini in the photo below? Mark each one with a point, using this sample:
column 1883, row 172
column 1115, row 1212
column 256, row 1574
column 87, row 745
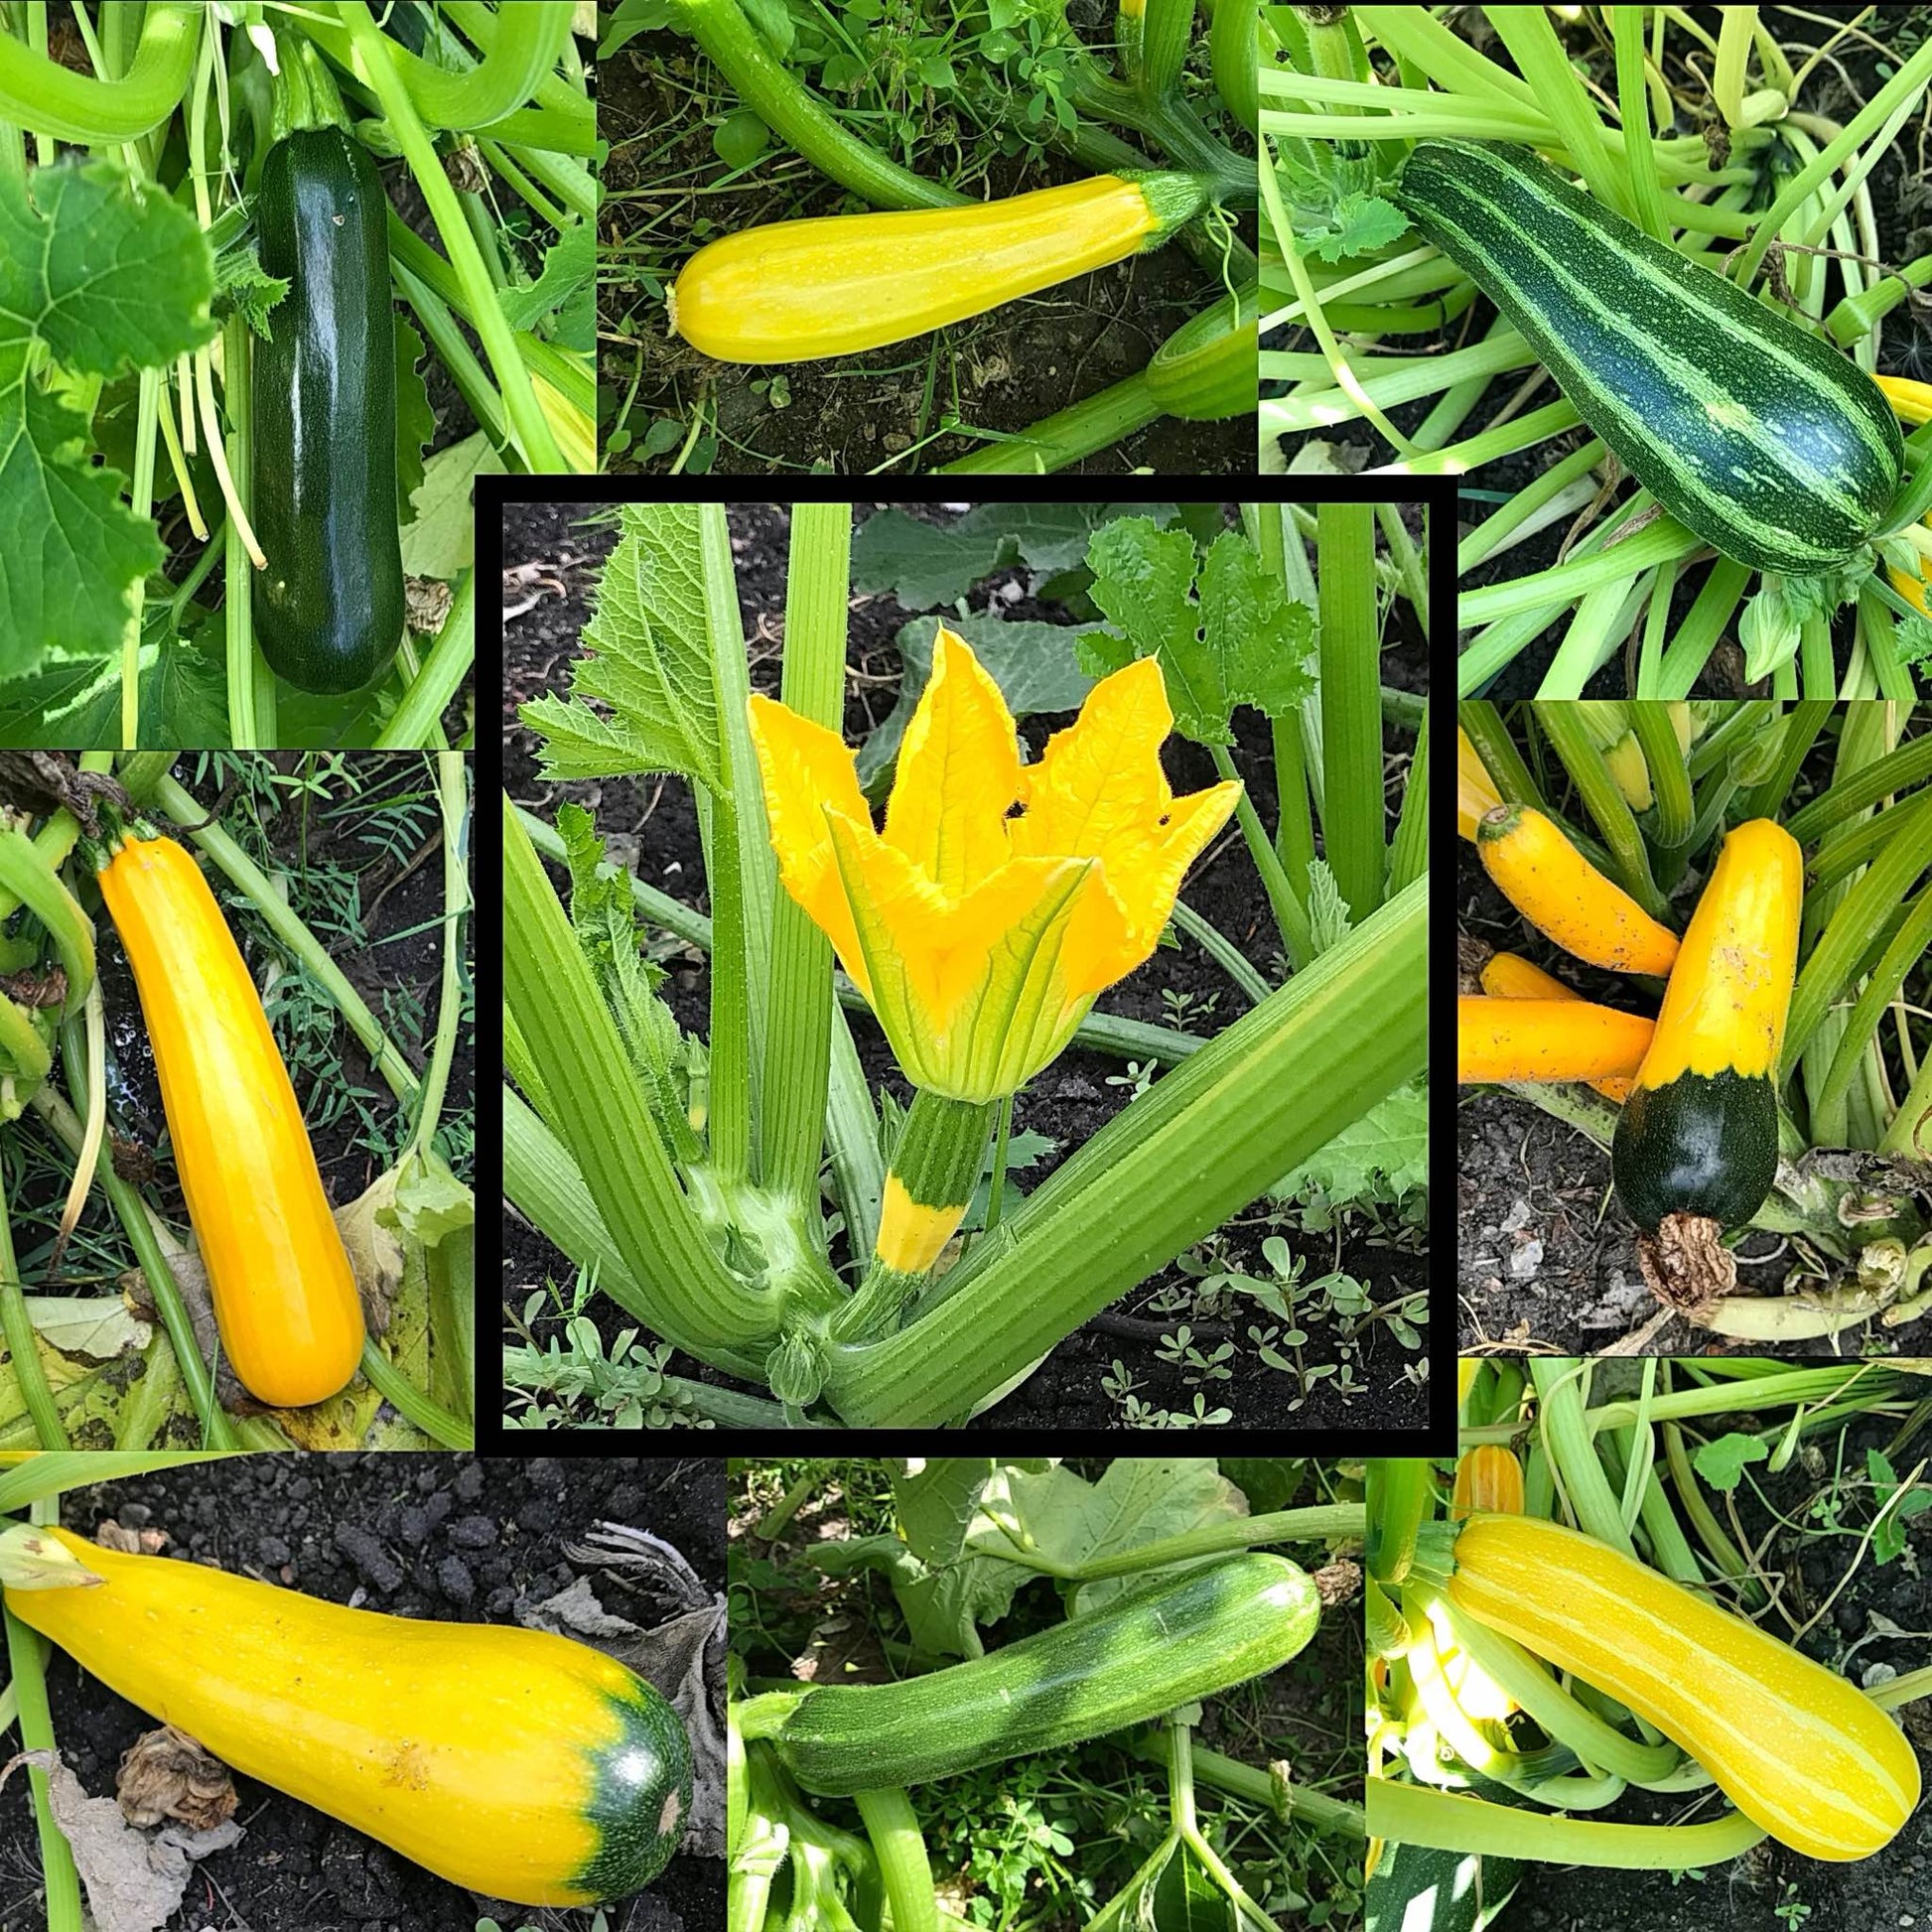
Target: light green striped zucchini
column 1163, row 1644
column 1756, row 435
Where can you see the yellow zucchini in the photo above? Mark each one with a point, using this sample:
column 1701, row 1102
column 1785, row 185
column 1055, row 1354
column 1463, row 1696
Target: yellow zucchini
column 794, row 291
column 1793, row 1745
column 1699, row 1133
column 505, row 1760
column 1507, row 976
column 1565, row 896
column 1488, row 1481
column 1544, row 1039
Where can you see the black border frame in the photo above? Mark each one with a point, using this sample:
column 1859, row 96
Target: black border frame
column 1439, row 493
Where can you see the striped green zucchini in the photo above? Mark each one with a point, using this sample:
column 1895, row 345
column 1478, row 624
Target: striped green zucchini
column 1161, row 1645
column 1760, row 437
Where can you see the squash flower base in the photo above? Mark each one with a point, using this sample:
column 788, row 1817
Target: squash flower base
column 980, row 935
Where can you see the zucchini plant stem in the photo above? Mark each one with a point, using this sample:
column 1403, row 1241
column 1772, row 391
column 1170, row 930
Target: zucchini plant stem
column 25, row 1668
column 29, row 1375
column 528, row 423
column 410, row 1402
column 799, row 1022
column 1290, row 916
column 900, row 1848
column 1351, row 710
column 1223, row 951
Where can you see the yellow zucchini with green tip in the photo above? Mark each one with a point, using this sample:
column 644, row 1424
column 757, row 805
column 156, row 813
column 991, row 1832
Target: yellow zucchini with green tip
column 1796, row 1748
column 794, row 291
column 507, row 1760
column 1698, row 1132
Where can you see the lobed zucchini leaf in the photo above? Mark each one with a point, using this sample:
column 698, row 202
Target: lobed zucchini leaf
column 96, row 274
column 1224, row 633
column 648, row 660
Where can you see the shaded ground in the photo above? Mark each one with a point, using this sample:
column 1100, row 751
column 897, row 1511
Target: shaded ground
column 651, row 827
column 666, row 193
column 360, row 862
column 457, row 1538
column 1773, row 1889
column 1838, row 86
column 789, row 1618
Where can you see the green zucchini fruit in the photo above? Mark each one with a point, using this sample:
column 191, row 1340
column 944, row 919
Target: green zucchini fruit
column 1150, row 1650
column 1754, row 433
column 328, row 606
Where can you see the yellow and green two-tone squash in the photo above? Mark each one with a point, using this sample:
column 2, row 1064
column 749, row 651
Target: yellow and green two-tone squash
column 507, row 1760
column 1698, row 1132
column 1752, row 432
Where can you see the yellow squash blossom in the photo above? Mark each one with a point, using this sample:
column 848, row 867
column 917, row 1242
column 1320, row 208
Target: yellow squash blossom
column 981, row 934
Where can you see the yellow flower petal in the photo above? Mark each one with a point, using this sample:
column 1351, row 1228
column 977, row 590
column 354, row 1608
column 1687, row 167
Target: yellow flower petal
column 1101, row 778
column 959, row 773
column 1142, row 882
column 951, row 979
column 1100, row 791
column 805, row 770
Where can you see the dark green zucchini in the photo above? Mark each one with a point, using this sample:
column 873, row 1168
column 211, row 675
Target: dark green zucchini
column 1751, row 431
column 1151, row 1650
column 328, row 606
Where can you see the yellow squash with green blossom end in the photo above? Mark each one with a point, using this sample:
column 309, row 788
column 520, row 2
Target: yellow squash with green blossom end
column 979, row 934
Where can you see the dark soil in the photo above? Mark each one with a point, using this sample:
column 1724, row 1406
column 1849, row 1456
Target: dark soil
column 651, row 826
column 1773, row 1889
column 321, row 844
column 666, row 193
column 456, row 1538
column 1899, row 213
column 1547, row 1254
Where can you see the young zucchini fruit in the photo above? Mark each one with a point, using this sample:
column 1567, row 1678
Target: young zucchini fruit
column 1544, row 1039
column 793, row 291
column 329, row 605
column 1488, row 1481
column 1475, row 791
column 284, row 1295
column 1798, row 1749
column 1161, row 1645
column 1753, row 433
column 1699, row 1134
column 507, row 1760
column 1566, row 898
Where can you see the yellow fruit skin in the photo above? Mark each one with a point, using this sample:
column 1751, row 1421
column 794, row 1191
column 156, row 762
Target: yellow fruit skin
column 1544, row 1039
column 471, row 1748
column 1725, row 1007
column 284, row 1293
column 794, row 291
column 1565, row 896
column 1489, row 1479
column 1508, row 976
column 1796, row 1748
